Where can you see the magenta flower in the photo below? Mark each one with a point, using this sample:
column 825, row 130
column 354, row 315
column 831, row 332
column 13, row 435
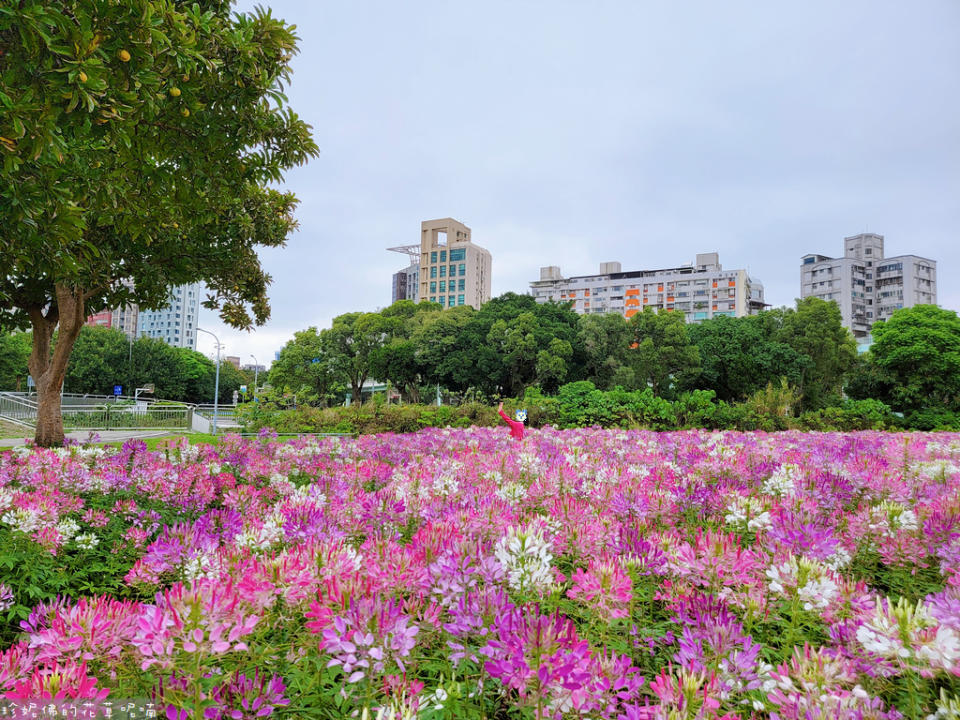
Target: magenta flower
column 246, row 698
column 205, row 617
column 604, row 587
column 372, row 635
column 54, row 681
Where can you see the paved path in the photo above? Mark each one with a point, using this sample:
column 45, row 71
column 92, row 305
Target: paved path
column 106, row 436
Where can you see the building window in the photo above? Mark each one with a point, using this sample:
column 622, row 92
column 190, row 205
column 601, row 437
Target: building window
column 440, row 300
column 460, row 300
column 433, row 271
column 433, row 257
column 453, row 270
column 443, row 271
column 458, row 254
column 443, row 286
column 461, row 284
column 443, row 256
column 463, row 269
column 433, row 286
column 433, row 299
column 452, row 301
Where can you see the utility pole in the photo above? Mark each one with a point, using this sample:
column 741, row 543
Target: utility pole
column 216, row 384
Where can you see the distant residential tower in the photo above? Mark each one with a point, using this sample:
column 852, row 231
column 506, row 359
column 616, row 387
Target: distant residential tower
column 867, row 285
column 176, row 324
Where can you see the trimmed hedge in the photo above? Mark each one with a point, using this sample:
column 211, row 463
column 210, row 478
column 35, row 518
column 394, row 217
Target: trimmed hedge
column 581, row 404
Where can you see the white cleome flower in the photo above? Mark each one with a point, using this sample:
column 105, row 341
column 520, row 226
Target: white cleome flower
column 87, row 541
column 526, row 557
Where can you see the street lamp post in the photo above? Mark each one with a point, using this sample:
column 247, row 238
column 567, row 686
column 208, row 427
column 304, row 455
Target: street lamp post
column 216, row 384
column 256, row 374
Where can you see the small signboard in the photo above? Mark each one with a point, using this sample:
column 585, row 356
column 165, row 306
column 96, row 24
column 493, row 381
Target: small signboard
column 118, row 389
column 243, row 389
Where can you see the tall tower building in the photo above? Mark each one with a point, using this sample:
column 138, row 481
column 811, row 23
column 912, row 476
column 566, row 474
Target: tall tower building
column 867, row 285
column 453, row 271
column 176, row 324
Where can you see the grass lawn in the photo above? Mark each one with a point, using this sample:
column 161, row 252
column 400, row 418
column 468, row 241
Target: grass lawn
column 154, row 443
column 9, row 430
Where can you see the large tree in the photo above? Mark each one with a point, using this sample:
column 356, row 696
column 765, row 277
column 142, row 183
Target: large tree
column 348, row 344
column 815, row 329
column 140, row 142
column 737, row 358
column 661, row 355
column 303, row 369
column 918, row 349
column 606, row 342
column 396, row 360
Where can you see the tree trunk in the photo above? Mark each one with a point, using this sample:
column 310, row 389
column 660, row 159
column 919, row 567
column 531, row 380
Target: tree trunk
column 49, row 368
column 413, row 392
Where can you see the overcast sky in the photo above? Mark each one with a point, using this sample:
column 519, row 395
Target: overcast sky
column 574, row 133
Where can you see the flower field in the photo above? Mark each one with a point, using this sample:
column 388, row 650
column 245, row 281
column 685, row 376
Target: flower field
column 458, row 574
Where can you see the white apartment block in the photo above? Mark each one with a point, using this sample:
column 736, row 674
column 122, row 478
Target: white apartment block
column 175, row 324
column 453, row 271
column 700, row 291
column 867, row 285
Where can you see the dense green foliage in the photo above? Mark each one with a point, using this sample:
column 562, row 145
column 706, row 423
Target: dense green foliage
column 14, row 351
column 649, row 371
column 141, row 146
column 918, row 350
column 103, row 357
column 577, row 404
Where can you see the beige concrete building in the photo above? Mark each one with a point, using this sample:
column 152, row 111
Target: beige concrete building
column 453, row 271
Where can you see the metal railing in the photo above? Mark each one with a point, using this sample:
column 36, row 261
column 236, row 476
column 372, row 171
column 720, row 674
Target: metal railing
column 126, row 417
column 18, row 409
column 105, row 415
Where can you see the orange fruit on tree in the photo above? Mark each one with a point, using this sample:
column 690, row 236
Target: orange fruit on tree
column 124, row 56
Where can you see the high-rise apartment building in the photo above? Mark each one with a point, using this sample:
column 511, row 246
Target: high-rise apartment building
column 453, row 271
column 406, row 282
column 125, row 318
column 176, row 324
column 122, row 318
column 700, row 291
column 867, row 285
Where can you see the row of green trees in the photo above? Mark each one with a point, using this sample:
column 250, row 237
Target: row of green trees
column 103, row 357
column 513, row 343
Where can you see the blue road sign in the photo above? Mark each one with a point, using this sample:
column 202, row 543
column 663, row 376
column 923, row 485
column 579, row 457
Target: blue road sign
column 118, row 389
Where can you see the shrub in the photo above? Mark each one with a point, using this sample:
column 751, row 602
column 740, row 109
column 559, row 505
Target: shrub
column 852, row 415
